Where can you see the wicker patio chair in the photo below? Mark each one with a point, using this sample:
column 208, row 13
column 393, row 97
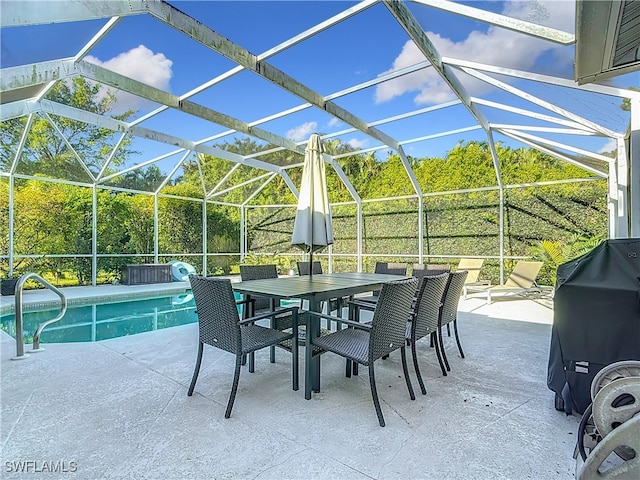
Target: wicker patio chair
column 449, row 311
column 220, row 326
column 303, row 268
column 261, row 304
column 388, row 268
column 365, row 343
column 335, row 304
column 391, row 268
column 424, row 319
column 421, row 270
column 259, row 272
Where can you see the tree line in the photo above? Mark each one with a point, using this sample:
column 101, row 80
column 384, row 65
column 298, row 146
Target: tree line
column 56, row 218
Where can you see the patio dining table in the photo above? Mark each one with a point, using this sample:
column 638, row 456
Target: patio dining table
column 314, row 289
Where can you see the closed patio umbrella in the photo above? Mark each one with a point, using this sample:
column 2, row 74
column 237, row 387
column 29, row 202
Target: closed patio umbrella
column 312, row 229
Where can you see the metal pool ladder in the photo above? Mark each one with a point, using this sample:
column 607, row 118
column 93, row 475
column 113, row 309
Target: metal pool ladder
column 18, row 310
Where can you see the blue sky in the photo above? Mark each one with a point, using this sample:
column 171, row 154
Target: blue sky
column 356, row 50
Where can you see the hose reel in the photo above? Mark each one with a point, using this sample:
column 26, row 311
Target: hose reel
column 612, row 425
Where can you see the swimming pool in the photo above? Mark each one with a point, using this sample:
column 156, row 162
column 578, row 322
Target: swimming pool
column 93, row 322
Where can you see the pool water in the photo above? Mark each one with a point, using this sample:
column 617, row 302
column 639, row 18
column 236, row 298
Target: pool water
column 102, row 321
column 95, row 322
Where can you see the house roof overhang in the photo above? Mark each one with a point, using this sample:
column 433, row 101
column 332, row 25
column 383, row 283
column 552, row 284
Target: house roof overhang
column 602, row 53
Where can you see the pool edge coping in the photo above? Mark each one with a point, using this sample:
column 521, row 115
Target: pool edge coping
column 9, row 307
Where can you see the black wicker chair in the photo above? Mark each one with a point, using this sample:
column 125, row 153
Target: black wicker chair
column 365, row 343
column 391, row 268
column 259, row 272
column 387, row 268
column 421, row 270
column 424, row 318
column 449, row 311
column 335, row 304
column 303, row 268
column 220, row 326
column 261, row 304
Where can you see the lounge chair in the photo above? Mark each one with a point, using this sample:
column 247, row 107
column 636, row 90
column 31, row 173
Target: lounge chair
column 473, row 266
column 521, row 281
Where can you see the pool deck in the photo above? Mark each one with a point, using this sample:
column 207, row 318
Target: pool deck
column 42, row 298
column 118, row 409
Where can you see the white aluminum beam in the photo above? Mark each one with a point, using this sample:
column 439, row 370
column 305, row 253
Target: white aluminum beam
column 22, row 13
column 553, row 152
column 381, row 79
column 70, row 147
column 223, row 180
column 111, row 156
column 529, row 113
column 21, row 76
column 408, row 22
column 633, row 144
column 23, row 140
column 178, row 164
column 118, row 125
column 510, row 23
column 413, row 113
column 204, row 188
column 564, row 146
column 110, row 25
column 496, row 168
column 441, row 134
column 18, row 77
column 533, row 128
column 116, row 80
column 247, row 182
column 537, row 77
column 273, row 51
column 16, row 109
column 383, row 121
column 211, row 39
column 618, row 194
column 542, row 103
column 287, row 179
column 258, row 190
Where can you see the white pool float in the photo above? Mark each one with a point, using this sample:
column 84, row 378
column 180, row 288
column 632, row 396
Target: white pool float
column 181, row 270
column 181, row 299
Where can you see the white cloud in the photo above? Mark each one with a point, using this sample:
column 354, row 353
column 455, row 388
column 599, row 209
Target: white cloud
column 355, row 143
column 302, row 132
column 334, row 122
column 496, row 46
column 611, row 145
column 141, row 64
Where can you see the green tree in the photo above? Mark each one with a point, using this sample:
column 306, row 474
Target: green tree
column 45, row 151
column 626, row 103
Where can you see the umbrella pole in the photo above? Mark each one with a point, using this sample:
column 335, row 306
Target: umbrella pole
column 312, row 219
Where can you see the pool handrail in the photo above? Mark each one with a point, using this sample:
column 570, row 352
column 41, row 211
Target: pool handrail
column 18, row 313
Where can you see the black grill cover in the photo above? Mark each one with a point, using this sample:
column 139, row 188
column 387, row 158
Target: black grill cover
column 596, row 318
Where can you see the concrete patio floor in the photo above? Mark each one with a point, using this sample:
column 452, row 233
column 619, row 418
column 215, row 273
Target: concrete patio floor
column 118, row 409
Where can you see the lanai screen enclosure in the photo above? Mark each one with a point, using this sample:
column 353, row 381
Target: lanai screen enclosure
column 204, row 108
